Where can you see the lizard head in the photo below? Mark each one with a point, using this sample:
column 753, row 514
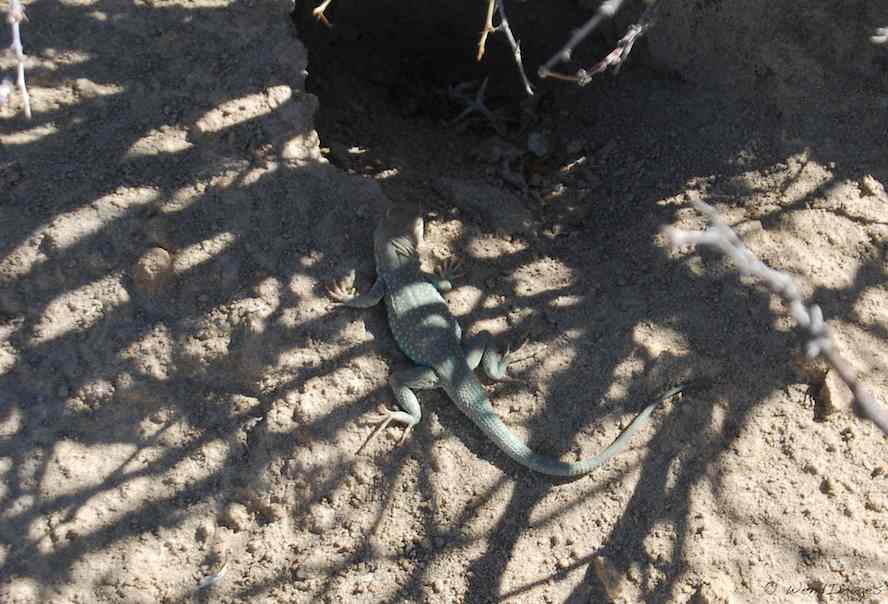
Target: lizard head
column 397, row 237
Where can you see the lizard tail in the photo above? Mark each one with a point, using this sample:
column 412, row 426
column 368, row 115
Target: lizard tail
column 482, row 413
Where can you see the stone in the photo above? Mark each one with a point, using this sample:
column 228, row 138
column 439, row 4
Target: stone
column 833, row 396
column 236, row 517
column 153, row 271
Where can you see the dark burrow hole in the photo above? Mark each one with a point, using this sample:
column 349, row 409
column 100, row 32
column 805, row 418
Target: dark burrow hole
column 391, row 77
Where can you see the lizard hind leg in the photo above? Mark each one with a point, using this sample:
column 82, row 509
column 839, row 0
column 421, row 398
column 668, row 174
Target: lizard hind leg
column 402, row 384
column 480, row 350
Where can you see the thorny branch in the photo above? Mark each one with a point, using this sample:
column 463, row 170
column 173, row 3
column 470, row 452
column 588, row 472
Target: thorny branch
column 618, row 55
column 500, row 6
column 474, row 104
column 318, row 12
column 488, row 29
column 516, row 48
column 615, row 58
column 809, row 318
column 14, row 18
column 608, row 9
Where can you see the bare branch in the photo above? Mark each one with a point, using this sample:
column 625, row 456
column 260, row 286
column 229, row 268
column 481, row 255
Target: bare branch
column 318, row 12
column 819, row 340
column 503, row 26
column 607, row 10
column 488, row 29
column 620, row 53
column 615, row 58
column 474, row 104
column 516, row 48
column 14, row 18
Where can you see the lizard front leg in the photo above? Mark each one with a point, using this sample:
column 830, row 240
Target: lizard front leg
column 344, row 293
column 445, row 273
column 403, row 383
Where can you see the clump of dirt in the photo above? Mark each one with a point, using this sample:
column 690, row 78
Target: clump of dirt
column 181, row 403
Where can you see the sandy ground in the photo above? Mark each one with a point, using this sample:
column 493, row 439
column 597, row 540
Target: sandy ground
column 181, row 403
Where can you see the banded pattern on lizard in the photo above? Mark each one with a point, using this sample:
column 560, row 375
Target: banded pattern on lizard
column 431, row 337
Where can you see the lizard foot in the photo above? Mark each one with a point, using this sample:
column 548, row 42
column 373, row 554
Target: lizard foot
column 509, row 357
column 344, row 290
column 450, row 268
column 496, row 365
column 382, row 421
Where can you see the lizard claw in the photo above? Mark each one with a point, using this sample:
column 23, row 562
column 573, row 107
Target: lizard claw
column 383, row 418
column 509, row 355
column 382, row 421
column 450, row 268
column 507, row 359
column 344, row 290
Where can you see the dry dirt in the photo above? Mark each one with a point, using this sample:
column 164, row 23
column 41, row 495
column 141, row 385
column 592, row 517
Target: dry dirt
column 181, row 404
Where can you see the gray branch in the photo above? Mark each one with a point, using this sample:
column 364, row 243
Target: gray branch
column 15, row 16
column 615, row 59
column 819, row 340
column 516, row 48
column 608, row 9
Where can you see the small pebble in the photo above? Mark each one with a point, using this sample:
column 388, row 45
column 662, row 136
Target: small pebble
column 610, row 578
column 236, row 517
column 810, row 468
column 202, row 533
column 322, row 519
column 153, row 271
column 871, row 186
column 833, row 396
column 876, row 502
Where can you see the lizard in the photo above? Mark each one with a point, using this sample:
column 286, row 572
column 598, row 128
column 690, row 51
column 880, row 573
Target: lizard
column 430, row 336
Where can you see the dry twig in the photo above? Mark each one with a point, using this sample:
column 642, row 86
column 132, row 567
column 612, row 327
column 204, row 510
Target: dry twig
column 503, row 26
column 516, row 48
column 819, row 340
column 318, row 12
column 615, row 58
column 608, row 9
column 14, row 18
column 474, row 104
column 620, row 53
column 488, row 29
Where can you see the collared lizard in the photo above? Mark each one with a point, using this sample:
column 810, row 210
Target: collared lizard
column 431, row 337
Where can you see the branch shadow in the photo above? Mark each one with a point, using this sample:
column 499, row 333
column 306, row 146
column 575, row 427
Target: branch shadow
column 253, row 384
